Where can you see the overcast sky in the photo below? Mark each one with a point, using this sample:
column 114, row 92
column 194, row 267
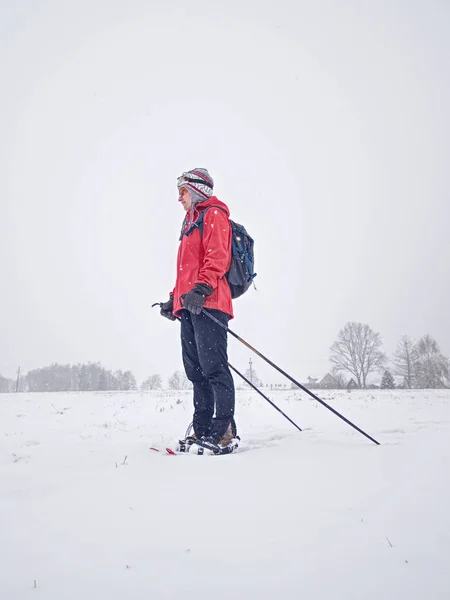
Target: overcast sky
column 324, row 124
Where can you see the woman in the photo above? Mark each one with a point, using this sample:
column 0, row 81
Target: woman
column 204, row 257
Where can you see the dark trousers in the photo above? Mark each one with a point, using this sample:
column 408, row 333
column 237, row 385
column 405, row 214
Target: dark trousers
column 204, row 350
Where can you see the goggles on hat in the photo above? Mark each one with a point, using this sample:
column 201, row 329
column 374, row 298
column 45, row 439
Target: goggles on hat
column 185, row 178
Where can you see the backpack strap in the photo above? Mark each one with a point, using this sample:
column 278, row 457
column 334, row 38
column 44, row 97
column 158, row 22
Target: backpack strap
column 199, row 222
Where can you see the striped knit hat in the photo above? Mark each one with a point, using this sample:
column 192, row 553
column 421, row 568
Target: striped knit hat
column 199, row 182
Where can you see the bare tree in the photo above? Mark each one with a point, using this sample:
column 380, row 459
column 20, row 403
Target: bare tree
column 154, row 382
column 179, row 381
column 433, row 370
column 357, row 351
column 406, row 361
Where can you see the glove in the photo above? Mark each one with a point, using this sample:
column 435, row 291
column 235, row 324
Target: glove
column 167, row 308
column 195, row 299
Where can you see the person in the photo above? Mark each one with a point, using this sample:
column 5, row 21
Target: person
column 204, row 257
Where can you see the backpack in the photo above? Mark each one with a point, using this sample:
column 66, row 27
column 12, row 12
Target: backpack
column 241, row 273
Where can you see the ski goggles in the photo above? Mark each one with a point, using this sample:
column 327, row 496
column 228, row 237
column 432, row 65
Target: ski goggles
column 188, row 178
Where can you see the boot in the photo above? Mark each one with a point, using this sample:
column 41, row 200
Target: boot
column 227, row 443
column 226, row 438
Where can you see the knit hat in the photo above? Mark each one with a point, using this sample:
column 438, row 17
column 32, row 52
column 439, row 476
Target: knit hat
column 199, row 182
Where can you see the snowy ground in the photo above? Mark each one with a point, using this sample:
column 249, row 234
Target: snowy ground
column 88, row 511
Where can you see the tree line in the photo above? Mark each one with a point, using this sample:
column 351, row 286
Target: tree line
column 358, row 353
column 87, row 377
column 71, row 378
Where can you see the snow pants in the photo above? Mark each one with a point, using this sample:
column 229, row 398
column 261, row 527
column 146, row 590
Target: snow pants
column 205, row 359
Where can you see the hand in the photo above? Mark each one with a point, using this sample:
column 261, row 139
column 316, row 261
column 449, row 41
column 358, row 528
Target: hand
column 195, row 299
column 167, row 308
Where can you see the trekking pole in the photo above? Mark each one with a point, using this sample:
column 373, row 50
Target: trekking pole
column 272, row 364
column 251, row 385
column 264, row 396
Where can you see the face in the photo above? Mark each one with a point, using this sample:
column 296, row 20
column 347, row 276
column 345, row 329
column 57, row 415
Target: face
column 185, row 198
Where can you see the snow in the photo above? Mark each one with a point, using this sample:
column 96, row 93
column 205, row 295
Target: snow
column 88, row 511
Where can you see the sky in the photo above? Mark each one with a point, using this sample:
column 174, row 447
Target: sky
column 325, row 126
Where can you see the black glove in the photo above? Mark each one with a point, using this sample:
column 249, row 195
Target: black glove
column 167, row 308
column 195, row 299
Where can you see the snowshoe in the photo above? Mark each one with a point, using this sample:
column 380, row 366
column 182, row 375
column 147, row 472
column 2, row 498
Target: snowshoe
column 184, row 445
column 207, row 445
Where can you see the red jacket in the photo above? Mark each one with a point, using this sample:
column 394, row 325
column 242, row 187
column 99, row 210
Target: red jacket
column 206, row 258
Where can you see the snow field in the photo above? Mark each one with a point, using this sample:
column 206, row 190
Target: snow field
column 87, row 510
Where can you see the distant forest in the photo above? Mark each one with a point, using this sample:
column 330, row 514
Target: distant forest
column 356, row 359
column 70, row 378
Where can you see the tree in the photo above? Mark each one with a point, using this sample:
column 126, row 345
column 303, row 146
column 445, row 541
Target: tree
column 75, row 377
column 103, row 381
column 251, row 375
column 179, row 381
column 154, row 382
column 433, row 366
column 339, row 377
column 116, row 380
column 357, row 351
column 406, row 361
column 84, row 382
column 6, row 385
column 91, row 376
column 351, row 384
column 128, row 381
column 387, row 382
column 95, row 370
